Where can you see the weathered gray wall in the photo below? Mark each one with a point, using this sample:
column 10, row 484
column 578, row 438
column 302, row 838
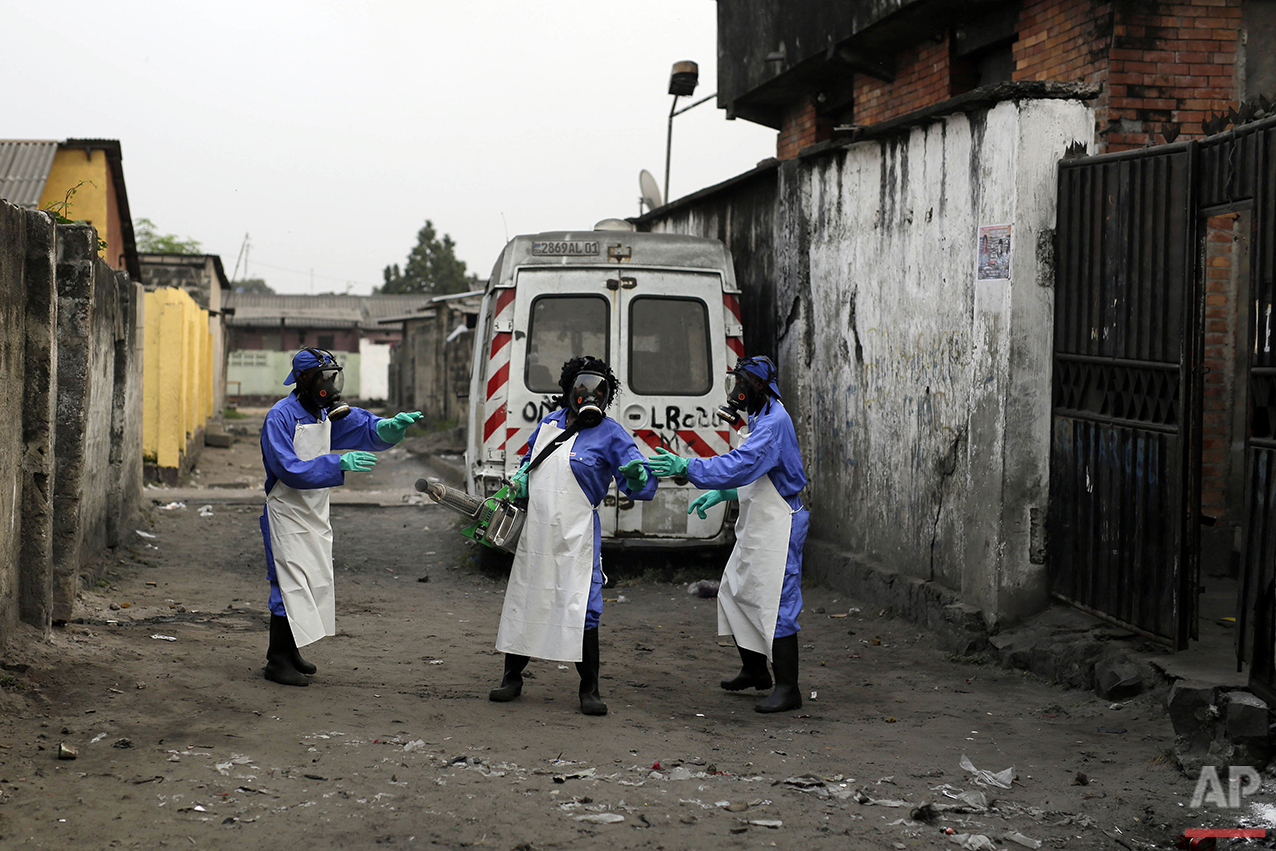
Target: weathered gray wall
column 428, row 371
column 12, row 374
column 97, row 313
column 70, row 439
column 39, row 421
column 921, row 396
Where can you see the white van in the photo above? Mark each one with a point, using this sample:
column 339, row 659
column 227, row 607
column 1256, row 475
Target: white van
column 662, row 310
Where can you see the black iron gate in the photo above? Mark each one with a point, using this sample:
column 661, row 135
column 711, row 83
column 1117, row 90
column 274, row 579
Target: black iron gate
column 1239, row 174
column 1124, row 452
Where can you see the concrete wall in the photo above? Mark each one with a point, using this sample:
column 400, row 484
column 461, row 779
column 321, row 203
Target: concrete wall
column 430, row 369
column 202, row 277
column 39, row 421
column 374, row 370
column 178, row 377
column 70, row 439
column 97, row 480
column 921, row 395
column 257, row 375
column 13, row 374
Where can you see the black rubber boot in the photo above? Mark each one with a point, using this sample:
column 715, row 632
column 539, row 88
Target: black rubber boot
column 587, row 667
column 280, row 654
column 297, row 662
column 784, row 658
column 753, row 672
column 512, row 682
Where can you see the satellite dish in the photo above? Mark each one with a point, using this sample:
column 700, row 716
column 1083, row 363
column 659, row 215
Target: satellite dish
column 650, row 191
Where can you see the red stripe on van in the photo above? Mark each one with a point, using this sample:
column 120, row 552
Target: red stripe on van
column 732, row 304
column 500, row 341
column 505, row 297
column 493, row 423
column 736, row 344
column 498, row 380
column 648, row 437
column 696, row 445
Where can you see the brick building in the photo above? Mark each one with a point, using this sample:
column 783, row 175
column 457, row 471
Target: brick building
column 816, row 71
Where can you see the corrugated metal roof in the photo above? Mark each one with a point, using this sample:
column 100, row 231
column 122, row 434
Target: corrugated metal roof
column 318, row 311
column 24, row 169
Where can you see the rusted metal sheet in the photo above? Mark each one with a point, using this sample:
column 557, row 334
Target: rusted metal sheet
column 1123, row 454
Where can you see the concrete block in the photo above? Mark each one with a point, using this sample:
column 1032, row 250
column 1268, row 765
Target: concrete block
column 1117, row 678
column 218, row 439
column 1245, row 716
column 964, row 617
column 1190, row 704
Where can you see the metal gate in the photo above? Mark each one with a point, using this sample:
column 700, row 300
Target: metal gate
column 1125, row 456
column 1239, row 174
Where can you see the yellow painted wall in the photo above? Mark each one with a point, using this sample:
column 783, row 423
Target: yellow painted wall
column 177, row 375
column 89, row 171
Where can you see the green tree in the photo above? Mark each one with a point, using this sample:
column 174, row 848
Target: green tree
column 257, row 286
column 431, row 268
column 151, row 242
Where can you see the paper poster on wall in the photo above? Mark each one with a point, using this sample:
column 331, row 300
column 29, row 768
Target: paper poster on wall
column 994, row 253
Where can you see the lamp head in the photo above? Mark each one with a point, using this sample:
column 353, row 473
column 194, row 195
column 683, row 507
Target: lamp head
column 683, row 80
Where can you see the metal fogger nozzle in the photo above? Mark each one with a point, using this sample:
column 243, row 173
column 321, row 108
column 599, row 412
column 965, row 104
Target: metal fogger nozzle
column 497, row 522
column 457, row 500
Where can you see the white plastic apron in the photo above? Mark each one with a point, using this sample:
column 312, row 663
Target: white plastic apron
column 749, row 594
column 548, row 590
column 301, row 542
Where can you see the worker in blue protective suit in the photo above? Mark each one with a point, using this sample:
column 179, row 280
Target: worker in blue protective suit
column 297, row 438
column 760, row 594
column 554, row 599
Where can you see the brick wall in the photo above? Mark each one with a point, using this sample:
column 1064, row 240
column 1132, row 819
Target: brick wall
column 803, row 126
column 1159, row 64
column 1220, row 354
column 1171, row 68
column 921, row 80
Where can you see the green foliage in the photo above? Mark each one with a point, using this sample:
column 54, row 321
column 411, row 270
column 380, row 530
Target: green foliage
column 151, row 242
column 252, row 285
column 61, row 210
column 432, row 267
column 234, row 414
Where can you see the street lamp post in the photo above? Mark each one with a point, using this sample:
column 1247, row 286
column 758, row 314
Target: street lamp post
column 682, row 83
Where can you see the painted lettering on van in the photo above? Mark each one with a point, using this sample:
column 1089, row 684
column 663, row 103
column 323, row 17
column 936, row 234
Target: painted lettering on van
column 534, row 412
column 676, row 419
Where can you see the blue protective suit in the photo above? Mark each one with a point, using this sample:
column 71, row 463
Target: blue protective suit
column 597, row 454
column 770, row 449
column 356, row 431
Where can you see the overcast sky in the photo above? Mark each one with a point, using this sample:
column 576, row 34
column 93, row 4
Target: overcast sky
column 329, row 132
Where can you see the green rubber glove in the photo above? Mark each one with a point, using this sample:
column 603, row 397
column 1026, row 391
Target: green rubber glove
column 667, row 463
column 519, row 481
column 392, row 430
column 358, row 462
column 710, row 499
column 635, row 473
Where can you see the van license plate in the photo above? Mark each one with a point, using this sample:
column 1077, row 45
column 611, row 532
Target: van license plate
column 564, row 249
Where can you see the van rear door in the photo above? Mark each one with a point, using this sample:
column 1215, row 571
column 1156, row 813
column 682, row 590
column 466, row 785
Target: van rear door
column 663, row 333
column 674, row 361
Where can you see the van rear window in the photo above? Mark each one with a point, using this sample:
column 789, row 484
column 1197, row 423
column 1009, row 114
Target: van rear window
column 669, row 352
column 560, row 328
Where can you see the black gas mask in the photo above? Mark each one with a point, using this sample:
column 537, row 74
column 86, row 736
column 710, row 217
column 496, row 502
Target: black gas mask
column 589, row 397
column 322, row 386
column 737, row 400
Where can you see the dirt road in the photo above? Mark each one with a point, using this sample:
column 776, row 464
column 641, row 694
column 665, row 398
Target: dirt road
column 181, row 743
